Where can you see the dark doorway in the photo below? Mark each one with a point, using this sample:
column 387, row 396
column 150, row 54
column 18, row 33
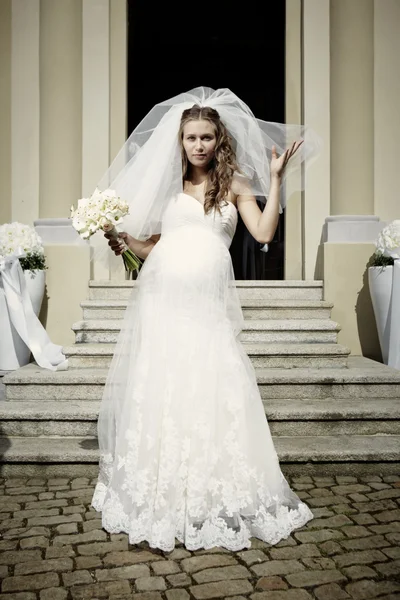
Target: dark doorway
column 176, row 46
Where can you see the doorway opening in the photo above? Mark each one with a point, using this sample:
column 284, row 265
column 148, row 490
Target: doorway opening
column 174, row 47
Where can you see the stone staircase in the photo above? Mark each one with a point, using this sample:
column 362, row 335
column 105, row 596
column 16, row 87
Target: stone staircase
column 328, row 412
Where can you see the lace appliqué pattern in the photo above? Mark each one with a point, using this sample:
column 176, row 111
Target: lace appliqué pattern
column 190, row 487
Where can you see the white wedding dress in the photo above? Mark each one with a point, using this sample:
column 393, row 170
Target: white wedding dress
column 185, row 449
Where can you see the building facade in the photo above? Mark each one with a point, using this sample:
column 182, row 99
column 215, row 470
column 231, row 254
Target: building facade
column 63, row 71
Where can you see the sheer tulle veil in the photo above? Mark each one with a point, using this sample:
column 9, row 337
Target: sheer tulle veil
column 147, row 171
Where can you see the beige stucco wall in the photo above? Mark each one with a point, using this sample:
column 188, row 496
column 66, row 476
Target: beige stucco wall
column 25, row 100
column 60, row 106
column 346, row 285
column 386, row 109
column 67, row 280
column 343, row 265
column 5, row 110
column 352, row 106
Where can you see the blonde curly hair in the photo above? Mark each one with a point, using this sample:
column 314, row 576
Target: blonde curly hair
column 223, row 164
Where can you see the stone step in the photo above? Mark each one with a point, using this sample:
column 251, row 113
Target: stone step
column 77, row 418
column 252, row 309
column 363, row 378
column 294, row 331
column 266, row 355
column 78, row 456
column 285, row 290
column 301, row 417
column 290, row 417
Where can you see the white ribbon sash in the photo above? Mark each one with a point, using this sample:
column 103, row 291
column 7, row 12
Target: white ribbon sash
column 23, row 317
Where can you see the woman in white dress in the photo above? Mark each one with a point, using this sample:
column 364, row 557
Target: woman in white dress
column 185, row 449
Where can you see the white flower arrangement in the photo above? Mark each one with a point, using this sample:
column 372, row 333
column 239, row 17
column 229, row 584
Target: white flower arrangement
column 17, row 238
column 387, row 245
column 389, row 240
column 102, row 211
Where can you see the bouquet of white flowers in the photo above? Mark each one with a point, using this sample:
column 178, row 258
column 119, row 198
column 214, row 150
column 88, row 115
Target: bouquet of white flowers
column 389, row 240
column 103, row 211
column 17, row 238
column 387, row 245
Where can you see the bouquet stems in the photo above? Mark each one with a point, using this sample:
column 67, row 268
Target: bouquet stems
column 131, row 261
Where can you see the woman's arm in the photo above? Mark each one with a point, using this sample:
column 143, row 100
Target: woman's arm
column 262, row 224
column 141, row 249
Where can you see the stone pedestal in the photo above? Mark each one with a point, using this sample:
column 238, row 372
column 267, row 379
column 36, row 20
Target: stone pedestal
column 67, row 277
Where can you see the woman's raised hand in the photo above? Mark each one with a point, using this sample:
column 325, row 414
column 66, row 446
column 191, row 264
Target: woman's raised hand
column 278, row 163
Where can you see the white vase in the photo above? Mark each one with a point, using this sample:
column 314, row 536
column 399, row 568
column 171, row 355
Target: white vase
column 35, row 282
column 380, row 285
column 14, row 353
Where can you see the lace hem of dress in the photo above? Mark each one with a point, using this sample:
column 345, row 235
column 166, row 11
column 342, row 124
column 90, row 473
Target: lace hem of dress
column 211, row 532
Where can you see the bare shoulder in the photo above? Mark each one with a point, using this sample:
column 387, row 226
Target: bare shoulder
column 231, row 197
column 241, row 185
column 242, row 190
column 236, row 188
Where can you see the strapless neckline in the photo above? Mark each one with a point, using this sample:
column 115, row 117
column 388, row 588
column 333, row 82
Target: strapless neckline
column 202, row 205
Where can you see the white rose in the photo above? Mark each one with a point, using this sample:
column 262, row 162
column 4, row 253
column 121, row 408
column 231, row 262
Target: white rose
column 93, row 226
column 114, row 217
column 79, row 224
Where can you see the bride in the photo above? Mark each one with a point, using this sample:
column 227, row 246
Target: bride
column 185, row 449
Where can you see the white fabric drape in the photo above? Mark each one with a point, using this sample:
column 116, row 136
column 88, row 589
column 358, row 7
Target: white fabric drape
column 17, row 303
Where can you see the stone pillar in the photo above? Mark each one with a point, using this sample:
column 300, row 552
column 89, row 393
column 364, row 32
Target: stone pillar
column 352, row 106
column 293, row 114
column 386, row 108
column 61, row 165
column 68, row 262
column 118, row 75
column 60, row 106
column 25, row 110
column 5, row 110
column 348, row 246
column 96, row 92
column 95, row 106
column 316, row 114
column 104, row 58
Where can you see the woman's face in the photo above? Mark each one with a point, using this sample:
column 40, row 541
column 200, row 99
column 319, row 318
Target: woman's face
column 199, row 141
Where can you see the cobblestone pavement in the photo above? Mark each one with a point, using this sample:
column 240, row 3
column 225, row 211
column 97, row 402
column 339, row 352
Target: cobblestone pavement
column 52, row 547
